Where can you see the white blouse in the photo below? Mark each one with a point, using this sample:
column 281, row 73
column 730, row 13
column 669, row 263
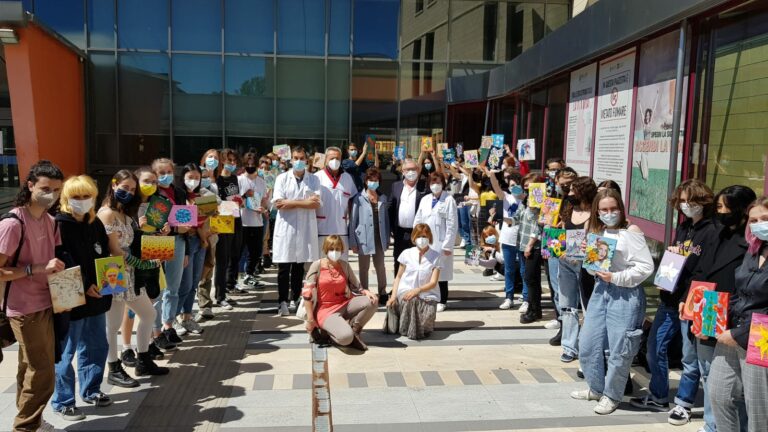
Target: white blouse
column 632, row 263
column 418, row 272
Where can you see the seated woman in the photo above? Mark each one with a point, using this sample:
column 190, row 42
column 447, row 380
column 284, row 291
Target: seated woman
column 334, row 299
column 412, row 306
column 491, row 256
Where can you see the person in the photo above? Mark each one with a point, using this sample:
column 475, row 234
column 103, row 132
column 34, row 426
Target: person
column 529, row 241
column 28, row 239
column 337, row 188
column 334, row 299
column 698, row 233
column 266, row 171
column 209, row 163
column 438, row 210
column 614, row 317
column 429, row 165
column 412, row 306
column 718, row 265
column 296, row 197
column 575, row 283
column 229, row 245
column 356, row 164
column 369, row 231
column 83, row 240
column 491, row 255
column 609, row 184
column 554, row 165
column 404, row 201
column 733, row 381
column 254, row 189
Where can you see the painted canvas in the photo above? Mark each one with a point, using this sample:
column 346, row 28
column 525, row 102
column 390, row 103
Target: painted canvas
column 757, row 348
column 459, row 149
column 110, row 275
column 472, row 256
column 370, row 154
column 183, row 216
column 229, row 208
column 573, row 241
column 497, row 140
column 495, row 158
column 426, row 144
column 550, row 211
column 537, row 193
column 253, row 202
column 283, row 151
column 449, row 156
column 318, row 160
column 471, row 159
column 158, row 247
column 66, row 289
column 442, row 146
column 486, row 143
column 599, row 253
column 714, row 313
column 223, row 224
column 556, row 242
column 157, row 213
column 695, row 299
column 669, row 271
column 270, row 176
column 526, row 149
column 207, row 205
column 399, row 153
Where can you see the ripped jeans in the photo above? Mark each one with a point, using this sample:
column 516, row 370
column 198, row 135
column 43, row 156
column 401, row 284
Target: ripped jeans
column 613, row 328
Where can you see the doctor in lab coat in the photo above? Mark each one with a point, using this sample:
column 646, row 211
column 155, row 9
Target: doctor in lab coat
column 337, row 188
column 296, row 197
column 438, row 210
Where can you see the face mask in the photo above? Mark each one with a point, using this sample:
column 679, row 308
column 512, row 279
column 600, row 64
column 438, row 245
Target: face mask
column 516, row 190
column 148, row 189
column 552, row 174
column 206, row 182
column 411, row 175
column 610, row 219
column 211, row 163
column 250, row 170
column 491, row 239
column 46, row 200
column 691, row 211
column 353, row 153
column 572, row 199
column 299, row 165
column 436, row 188
column 334, row 255
column 728, row 219
column 81, row 207
column 261, row 172
column 192, row 184
column 558, row 190
column 760, row 230
column 123, row 196
column 334, row 164
column 230, row 168
column 165, row 180
column 428, row 166
column 422, row 242
column 373, row 185
column 275, row 163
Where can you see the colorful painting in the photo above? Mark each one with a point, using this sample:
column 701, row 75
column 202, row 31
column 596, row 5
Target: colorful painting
column 757, row 349
column 158, row 247
column 229, row 208
column 714, row 314
column 550, row 211
column 283, row 151
column 66, row 289
column 695, row 300
column 110, row 275
column 253, row 202
column 370, row 154
column 555, row 242
column 224, row 224
column 573, row 241
column 270, row 177
column 442, row 146
column 449, row 156
column 459, row 149
column 157, row 213
column 526, row 149
column 471, row 159
column 472, row 256
column 599, row 253
column 495, row 158
column 318, row 160
column 207, row 205
column 486, row 143
column 537, row 193
column 183, row 216
column 426, row 144
column 669, row 271
column 497, row 140
column 399, row 153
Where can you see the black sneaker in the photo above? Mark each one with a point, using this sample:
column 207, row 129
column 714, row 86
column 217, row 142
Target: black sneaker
column 146, row 366
column 71, row 413
column 556, row 339
column 99, row 399
column 528, row 318
column 172, row 336
column 128, row 357
column 383, row 298
column 119, row 377
column 163, row 343
column 154, row 352
column 647, row 403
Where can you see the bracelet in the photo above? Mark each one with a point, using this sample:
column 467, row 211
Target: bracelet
column 28, row 270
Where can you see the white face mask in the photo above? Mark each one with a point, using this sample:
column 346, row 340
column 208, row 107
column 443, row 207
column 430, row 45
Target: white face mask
column 436, row 188
column 422, row 242
column 691, row 211
column 192, row 184
column 411, row 175
column 81, row 207
column 334, row 164
column 334, row 255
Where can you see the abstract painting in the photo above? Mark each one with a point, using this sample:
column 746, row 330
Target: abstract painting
column 183, row 216
column 158, row 247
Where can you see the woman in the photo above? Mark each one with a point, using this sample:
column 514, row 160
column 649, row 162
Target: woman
column 412, row 307
column 254, row 189
column 229, row 246
column 731, row 379
column 438, row 210
column 265, row 170
column 614, row 317
column 609, row 184
column 334, row 300
column 369, row 231
column 83, row 240
column 491, row 256
column 576, row 284
column 529, row 241
column 209, row 164
column 120, row 200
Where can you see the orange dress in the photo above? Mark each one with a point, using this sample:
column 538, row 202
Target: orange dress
column 331, row 293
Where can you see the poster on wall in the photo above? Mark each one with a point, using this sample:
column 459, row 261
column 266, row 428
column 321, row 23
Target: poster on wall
column 654, row 113
column 581, row 111
column 614, row 119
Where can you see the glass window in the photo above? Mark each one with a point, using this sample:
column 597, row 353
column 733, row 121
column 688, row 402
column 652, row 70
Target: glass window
column 425, row 36
column 101, row 24
column 102, row 112
column 250, row 93
column 244, row 144
column 422, row 101
column 301, row 27
column 339, row 27
column 474, row 24
column 142, row 24
column 376, row 28
column 338, row 99
column 300, row 98
column 557, row 100
column 374, row 100
column 249, row 26
column 525, row 27
column 197, row 95
column 196, row 25
column 63, row 16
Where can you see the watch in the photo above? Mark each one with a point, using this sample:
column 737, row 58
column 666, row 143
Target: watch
column 28, row 270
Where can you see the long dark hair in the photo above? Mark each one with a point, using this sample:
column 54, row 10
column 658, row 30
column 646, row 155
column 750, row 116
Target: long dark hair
column 585, row 189
column 190, row 167
column 112, row 202
column 737, row 198
column 43, row 168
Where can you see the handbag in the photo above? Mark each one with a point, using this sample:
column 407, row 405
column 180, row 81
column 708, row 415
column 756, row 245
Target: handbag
column 7, row 338
column 391, row 321
column 301, row 311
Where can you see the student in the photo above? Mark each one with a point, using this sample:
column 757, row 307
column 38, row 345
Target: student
column 529, row 241
column 254, row 189
column 491, row 255
column 209, row 165
column 229, row 246
column 27, row 256
column 356, row 164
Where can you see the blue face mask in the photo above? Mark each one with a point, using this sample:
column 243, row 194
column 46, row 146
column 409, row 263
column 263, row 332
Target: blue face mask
column 760, row 230
column 261, row 172
column 205, row 182
column 123, row 196
column 230, row 168
column 516, row 190
column 610, row 219
column 299, row 165
column 373, row 185
column 165, row 180
column 275, row 163
column 211, row 163
column 490, row 239
column 353, row 153
column 427, row 166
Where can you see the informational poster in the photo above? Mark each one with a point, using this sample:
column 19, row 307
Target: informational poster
column 581, row 110
column 613, row 131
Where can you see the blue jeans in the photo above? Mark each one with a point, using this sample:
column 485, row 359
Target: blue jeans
column 510, row 274
column 88, row 338
column 614, row 317
column 521, row 266
column 465, row 226
column 191, row 276
column 667, row 325
column 569, row 279
column 168, row 303
column 554, row 285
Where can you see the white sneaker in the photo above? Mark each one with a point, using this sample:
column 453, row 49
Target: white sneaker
column 507, row 304
column 463, row 244
column 606, row 405
column 498, row 277
column 523, row 307
column 552, row 325
column 180, row 329
column 440, row 307
column 587, row 395
column 192, row 327
column 283, row 310
column 292, row 306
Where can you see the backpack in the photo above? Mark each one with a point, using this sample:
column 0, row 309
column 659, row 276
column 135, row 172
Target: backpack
column 7, row 337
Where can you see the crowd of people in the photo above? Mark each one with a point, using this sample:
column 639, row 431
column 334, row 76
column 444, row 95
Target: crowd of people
column 306, row 218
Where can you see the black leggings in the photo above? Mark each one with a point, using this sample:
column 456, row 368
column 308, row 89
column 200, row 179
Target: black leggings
column 228, row 253
column 253, row 240
column 533, row 280
column 443, row 291
column 289, row 276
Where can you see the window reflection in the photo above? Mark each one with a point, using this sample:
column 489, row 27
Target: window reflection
column 375, row 31
column 338, row 99
column 142, row 24
column 249, row 26
column 197, row 95
column 374, row 99
column 300, row 98
column 63, row 16
column 104, row 138
column 339, row 27
column 301, row 27
column 424, row 36
column 101, row 24
column 250, row 89
column 474, row 24
column 196, row 25
column 422, row 102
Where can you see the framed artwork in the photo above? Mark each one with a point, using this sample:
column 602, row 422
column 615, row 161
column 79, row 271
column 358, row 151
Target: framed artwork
column 471, row 159
column 537, row 193
column 67, row 290
column 757, row 348
column 223, row 224
column 550, row 211
column 183, row 216
column 600, row 250
column 157, row 213
column 158, row 247
column 695, row 299
column 497, row 140
column 526, row 149
column 110, row 275
column 283, row 151
column 573, row 242
column 669, row 271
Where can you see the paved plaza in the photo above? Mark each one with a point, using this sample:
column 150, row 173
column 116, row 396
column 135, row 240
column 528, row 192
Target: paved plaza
column 251, row 371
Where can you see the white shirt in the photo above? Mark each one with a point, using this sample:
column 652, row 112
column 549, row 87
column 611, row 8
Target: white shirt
column 251, row 218
column 332, row 216
column 407, row 211
column 418, row 272
column 508, row 234
column 632, row 263
column 295, row 237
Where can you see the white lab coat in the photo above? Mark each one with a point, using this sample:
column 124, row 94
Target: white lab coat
column 295, row 237
column 332, row 217
column 442, row 221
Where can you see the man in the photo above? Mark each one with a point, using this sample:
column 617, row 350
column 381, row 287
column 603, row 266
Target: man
column 296, row 197
column 356, row 165
column 31, row 234
column 404, row 201
column 337, row 188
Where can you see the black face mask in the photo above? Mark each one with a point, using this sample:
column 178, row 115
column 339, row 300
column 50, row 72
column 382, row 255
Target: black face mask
column 250, row 170
column 729, row 219
column 572, row 199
